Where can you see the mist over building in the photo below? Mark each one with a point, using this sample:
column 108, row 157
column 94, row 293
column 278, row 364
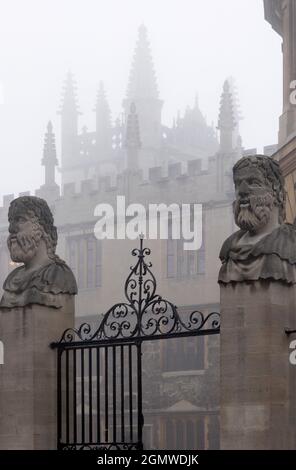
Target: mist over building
column 139, row 157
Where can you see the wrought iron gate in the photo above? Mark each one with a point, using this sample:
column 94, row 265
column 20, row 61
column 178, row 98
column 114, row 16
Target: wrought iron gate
column 100, row 373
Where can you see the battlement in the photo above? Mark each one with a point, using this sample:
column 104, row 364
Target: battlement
column 247, row 152
column 8, row 198
column 118, row 183
column 182, row 181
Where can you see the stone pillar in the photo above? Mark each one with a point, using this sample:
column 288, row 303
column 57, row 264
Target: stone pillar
column 28, row 378
column 258, row 301
column 36, row 307
column 258, row 385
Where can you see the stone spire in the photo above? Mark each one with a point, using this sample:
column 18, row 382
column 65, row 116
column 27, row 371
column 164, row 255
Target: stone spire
column 142, row 80
column 132, row 141
column 69, row 99
column 69, row 122
column 103, row 122
column 49, row 160
column 192, row 133
column 142, row 91
column 227, row 122
column 237, row 139
column 50, row 189
column 194, row 115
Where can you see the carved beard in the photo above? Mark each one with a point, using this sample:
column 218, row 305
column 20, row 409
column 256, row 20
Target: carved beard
column 23, row 246
column 256, row 214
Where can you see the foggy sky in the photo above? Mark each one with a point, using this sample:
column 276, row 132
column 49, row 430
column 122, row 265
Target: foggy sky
column 195, row 45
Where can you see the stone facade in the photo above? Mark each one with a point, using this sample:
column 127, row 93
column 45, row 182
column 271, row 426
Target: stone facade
column 281, row 14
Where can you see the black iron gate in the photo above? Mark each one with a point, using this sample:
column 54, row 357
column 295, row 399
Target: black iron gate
column 100, row 372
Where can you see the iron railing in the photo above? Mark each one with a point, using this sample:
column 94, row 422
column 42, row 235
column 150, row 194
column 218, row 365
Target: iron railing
column 100, row 372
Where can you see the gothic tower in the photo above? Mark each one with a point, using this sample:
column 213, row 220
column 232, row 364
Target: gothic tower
column 142, row 91
column 230, row 141
column 103, row 124
column 69, row 125
column 226, row 122
column 132, row 139
column 50, row 189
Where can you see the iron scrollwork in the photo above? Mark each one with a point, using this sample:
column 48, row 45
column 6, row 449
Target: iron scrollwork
column 144, row 314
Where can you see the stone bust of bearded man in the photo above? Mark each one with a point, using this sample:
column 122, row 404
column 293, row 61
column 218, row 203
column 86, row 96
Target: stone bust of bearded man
column 264, row 247
column 43, row 278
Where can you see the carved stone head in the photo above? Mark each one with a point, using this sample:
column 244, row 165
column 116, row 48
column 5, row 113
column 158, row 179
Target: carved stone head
column 260, row 194
column 32, row 234
column 43, row 278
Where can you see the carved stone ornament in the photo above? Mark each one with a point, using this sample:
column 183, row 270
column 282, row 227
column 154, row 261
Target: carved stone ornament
column 265, row 247
column 43, row 278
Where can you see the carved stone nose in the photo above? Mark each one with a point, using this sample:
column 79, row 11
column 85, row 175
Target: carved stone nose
column 243, row 188
column 12, row 228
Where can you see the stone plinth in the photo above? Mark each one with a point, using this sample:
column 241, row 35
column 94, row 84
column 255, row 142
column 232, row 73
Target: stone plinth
column 28, row 378
column 258, row 385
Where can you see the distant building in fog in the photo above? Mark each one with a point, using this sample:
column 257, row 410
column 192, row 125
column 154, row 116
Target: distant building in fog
column 139, row 157
column 103, row 151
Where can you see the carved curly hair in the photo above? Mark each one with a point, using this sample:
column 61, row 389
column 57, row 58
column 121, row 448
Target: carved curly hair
column 272, row 173
column 41, row 215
